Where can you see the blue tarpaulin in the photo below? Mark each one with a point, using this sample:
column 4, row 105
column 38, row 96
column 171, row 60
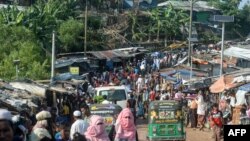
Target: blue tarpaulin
column 245, row 87
column 181, row 74
column 67, row 76
column 167, row 77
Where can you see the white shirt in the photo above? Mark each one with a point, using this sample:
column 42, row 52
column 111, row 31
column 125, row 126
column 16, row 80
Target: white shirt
column 142, row 67
column 163, row 96
column 201, row 105
column 79, row 126
column 201, row 109
column 139, row 81
column 232, row 101
column 157, row 87
column 90, row 89
column 127, row 88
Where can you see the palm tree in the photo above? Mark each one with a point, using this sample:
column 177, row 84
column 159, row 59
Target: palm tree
column 11, row 16
column 156, row 20
column 44, row 17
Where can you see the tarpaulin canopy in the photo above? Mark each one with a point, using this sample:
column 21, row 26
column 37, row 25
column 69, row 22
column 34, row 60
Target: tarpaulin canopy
column 245, row 87
column 181, row 74
column 184, row 72
column 238, row 52
column 167, row 77
column 68, row 76
column 185, row 5
column 199, row 61
column 223, row 83
column 198, row 85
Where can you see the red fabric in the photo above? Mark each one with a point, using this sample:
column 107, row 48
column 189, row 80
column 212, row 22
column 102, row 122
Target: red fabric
column 216, row 117
column 152, row 95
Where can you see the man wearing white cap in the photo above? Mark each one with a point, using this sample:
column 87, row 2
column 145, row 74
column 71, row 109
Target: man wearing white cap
column 6, row 126
column 79, row 126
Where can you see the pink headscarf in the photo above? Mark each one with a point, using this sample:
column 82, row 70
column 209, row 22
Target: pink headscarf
column 248, row 112
column 126, row 127
column 96, row 132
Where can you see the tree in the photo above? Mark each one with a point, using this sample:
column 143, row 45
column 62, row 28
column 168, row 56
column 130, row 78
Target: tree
column 230, row 7
column 70, row 34
column 21, row 45
column 156, row 18
column 11, row 16
column 173, row 20
column 46, row 15
column 244, row 20
column 12, row 36
column 34, row 41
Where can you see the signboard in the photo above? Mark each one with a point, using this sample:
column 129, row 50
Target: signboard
column 222, row 18
column 74, row 70
column 102, row 112
column 164, row 112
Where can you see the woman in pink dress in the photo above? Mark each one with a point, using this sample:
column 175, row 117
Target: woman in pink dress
column 125, row 126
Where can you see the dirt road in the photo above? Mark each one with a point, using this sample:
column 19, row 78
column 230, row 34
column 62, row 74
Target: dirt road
column 192, row 135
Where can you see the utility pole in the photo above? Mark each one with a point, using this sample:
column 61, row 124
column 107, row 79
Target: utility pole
column 222, row 48
column 190, row 32
column 223, row 19
column 191, row 63
column 85, row 28
column 16, row 63
column 53, row 57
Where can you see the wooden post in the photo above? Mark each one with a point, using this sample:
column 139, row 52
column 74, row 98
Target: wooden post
column 54, row 99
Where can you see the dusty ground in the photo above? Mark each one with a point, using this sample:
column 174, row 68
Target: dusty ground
column 192, row 135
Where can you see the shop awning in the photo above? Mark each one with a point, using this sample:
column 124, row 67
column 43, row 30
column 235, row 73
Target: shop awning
column 222, row 84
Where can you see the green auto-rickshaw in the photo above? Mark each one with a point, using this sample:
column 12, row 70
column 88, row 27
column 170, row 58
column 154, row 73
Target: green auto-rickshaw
column 165, row 121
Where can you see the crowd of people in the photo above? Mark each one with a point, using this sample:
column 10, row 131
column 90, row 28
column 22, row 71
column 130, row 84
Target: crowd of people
column 143, row 80
column 204, row 111
column 56, row 123
column 92, row 129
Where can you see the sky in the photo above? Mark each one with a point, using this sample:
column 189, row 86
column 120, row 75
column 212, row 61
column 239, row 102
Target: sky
column 243, row 2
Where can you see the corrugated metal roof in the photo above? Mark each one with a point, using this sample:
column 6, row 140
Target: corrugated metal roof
column 68, row 62
column 185, row 5
column 32, row 88
column 109, row 54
